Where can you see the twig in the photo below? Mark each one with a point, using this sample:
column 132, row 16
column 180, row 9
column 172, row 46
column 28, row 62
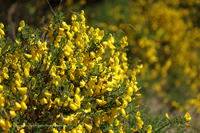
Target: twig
column 50, row 6
column 121, row 31
column 131, row 26
column 58, row 6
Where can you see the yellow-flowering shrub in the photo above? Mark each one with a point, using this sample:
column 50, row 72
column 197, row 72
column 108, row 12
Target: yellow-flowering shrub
column 71, row 78
column 164, row 36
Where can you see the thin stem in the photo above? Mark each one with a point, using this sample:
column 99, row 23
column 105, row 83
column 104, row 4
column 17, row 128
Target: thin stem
column 50, row 6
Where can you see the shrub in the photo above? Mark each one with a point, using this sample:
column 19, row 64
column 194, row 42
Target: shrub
column 70, row 78
column 164, row 35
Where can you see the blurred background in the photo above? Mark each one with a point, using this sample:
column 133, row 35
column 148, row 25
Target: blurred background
column 163, row 36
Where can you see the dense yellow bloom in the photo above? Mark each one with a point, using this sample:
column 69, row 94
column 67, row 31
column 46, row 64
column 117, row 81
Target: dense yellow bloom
column 77, row 71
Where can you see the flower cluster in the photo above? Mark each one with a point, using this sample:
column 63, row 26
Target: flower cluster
column 167, row 43
column 77, row 78
column 70, row 78
column 139, row 121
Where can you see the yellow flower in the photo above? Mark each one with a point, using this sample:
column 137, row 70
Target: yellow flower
column 77, row 99
column 138, row 114
column 43, row 101
column 64, row 25
column 5, row 71
column 82, row 83
column 2, row 123
column 28, row 56
column 110, row 131
column 17, row 106
column 137, row 106
column 22, row 90
column 72, row 77
column 187, row 116
column 99, row 131
column 22, row 23
column 22, row 131
column 8, row 124
column 166, row 115
column 123, row 112
column 88, row 127
column 12, row 113
column 73, row 107
column 101, row 102
column 134, row 130
column 125, row 104
column 1, row 26
column 23, row 105
column 54, row 130
column 188, row 125
column 2, row 32
column 92, row 55
column 26, row 69
column 24, row 98
column 45, row 29
column 17, row 83
column 1, row 87
column 74, row 17
column 2, row 100
column 53, row 71
column 48, row 95
column 19, row 29
column 149, row 130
